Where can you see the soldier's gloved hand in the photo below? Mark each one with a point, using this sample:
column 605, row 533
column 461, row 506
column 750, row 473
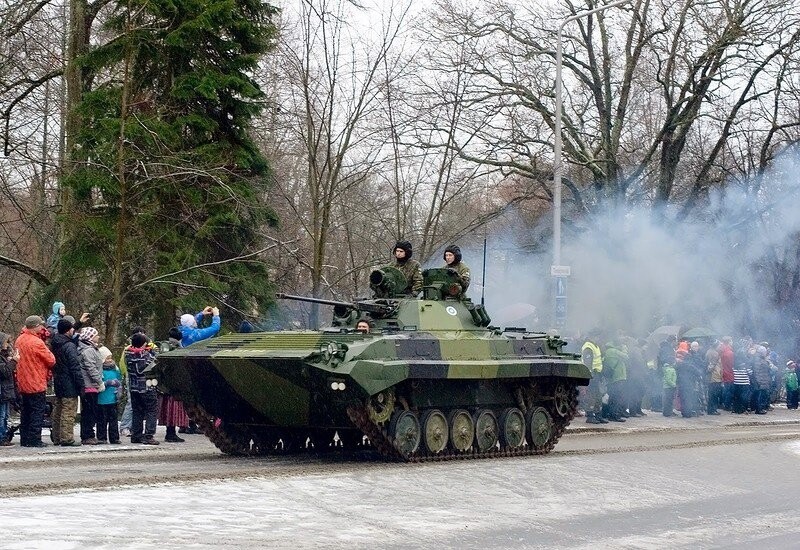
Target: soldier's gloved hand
column 451, row 271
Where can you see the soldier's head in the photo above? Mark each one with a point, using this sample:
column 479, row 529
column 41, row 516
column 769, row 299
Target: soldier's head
column 363, row 326
column 402, row 251
column 452, row 254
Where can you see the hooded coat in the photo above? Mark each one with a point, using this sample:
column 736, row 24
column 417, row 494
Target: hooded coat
column 192, row 334
column 91, row 366
column 35, row 362
column 67, row 374
column 52, row 321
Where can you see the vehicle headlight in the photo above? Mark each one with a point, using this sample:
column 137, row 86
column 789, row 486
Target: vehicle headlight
column 333, row 350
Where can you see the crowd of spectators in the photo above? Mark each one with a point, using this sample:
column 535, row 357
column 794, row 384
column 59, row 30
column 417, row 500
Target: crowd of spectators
column 683, row 378
column 58, row 368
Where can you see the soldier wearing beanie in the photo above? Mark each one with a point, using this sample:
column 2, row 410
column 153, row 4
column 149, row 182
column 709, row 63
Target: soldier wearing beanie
column 402, row 252
column 452, row 260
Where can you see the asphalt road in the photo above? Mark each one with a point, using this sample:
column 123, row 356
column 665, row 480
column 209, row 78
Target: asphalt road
column 714, row 482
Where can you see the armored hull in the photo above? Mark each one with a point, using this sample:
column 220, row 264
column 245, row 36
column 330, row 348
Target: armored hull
column 427, row 382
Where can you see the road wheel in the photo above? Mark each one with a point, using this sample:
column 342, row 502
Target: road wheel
column 405, row 430
column 435, row 431
column 462, row 430
column 487, row 430
column 540, row 428
column 512, row 428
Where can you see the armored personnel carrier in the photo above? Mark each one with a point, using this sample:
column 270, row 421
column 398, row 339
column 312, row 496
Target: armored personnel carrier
column 430, row 379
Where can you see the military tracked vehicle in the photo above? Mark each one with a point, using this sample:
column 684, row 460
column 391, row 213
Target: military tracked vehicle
column 430, row 380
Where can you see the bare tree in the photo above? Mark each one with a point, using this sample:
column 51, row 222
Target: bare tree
column 639, row 82
column 330, row 87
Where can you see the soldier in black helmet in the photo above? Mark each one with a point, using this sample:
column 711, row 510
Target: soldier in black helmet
column 411, row 269
column 452, row 260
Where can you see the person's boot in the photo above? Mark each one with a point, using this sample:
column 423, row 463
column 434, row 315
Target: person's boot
column 190, row 430
column 172, row 436
column 590, row 418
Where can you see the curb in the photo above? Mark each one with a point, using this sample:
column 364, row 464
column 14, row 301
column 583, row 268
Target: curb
column 694, row 426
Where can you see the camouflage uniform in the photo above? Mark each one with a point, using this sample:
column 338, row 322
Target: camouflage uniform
column 413, row 273
column 458, row 266
column 463, row 273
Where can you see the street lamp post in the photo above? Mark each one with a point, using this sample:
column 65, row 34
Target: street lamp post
column 557, row 270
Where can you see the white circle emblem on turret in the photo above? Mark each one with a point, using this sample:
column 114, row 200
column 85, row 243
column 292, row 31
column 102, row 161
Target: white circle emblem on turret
column 451, row 311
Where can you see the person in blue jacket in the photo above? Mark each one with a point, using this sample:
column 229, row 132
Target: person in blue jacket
column 189, row 326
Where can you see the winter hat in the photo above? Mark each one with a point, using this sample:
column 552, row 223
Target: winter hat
column 175, row 333
column 33, row 321
column 63, row 326
column 761, row 350
column 695, row 346
column 138, row 340
column 57, row 307
column 684, row 345
column 455, row 250
column 105, row 353
column 188, row 320
column 404, row 245
column 69, row 318
column 87, row 333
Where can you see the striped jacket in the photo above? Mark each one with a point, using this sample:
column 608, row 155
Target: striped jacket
column 741, row 376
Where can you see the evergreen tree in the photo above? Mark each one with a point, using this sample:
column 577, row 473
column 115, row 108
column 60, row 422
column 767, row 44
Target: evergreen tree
column 172, row 191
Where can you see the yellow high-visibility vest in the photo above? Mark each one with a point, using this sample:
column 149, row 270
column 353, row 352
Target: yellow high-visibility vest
column 597, row 358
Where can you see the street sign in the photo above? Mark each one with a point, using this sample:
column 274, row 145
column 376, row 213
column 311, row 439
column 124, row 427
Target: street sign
column 561, row 302
column 559, row 271
column 561, row 287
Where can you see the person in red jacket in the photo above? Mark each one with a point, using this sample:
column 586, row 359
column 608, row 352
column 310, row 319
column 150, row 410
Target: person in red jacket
column 726, row 359
column 34, row 368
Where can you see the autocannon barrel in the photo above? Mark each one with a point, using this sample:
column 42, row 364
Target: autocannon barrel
column 316, row 300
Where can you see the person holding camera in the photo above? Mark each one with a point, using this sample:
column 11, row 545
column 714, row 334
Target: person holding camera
column 190, row 326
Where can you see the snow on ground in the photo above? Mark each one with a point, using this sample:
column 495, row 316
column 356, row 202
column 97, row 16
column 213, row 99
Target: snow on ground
column 445, row 505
